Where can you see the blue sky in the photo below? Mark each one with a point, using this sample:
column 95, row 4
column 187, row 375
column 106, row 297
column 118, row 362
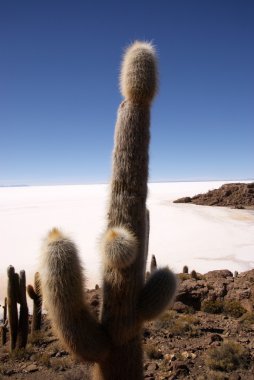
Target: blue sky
column 59, row 68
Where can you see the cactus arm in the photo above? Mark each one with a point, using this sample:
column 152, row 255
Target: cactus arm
column 31, row 292
column 37, row 306
column 63, row 290
column 119, row 248
column 35, row 294
column 157, row 294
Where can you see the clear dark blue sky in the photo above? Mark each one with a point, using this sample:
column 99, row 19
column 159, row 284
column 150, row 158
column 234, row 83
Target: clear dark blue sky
column 59, row 68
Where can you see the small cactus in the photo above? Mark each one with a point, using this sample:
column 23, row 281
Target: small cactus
column 34, row 293
column 185, row 269
column 153, row 266
column 5, row 310
column 4, row 328
column 194, row 274
column 114, row 342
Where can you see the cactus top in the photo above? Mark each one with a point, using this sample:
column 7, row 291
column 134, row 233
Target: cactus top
column 138, row 80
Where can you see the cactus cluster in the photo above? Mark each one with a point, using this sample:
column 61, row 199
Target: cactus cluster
column 16, row 293
column 114, row 341
column 18, row 323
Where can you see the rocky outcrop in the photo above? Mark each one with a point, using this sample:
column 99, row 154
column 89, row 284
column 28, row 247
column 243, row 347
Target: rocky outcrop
column 234, row 195
column 243, row 290
column 217, row 285
column 176, row 346
column 192, row 292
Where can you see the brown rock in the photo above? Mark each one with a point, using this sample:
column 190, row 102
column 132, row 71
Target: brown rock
column 235, row 195
column 224, row 273
column 180, row 369
column 183, row 200
column 192, row 292
column 31, row 368
column 152, row 367
column 180, row 307
column 216, row 338
column 243, row 290
column 234, row 376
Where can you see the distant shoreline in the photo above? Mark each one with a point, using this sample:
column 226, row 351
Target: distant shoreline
column 150, row 182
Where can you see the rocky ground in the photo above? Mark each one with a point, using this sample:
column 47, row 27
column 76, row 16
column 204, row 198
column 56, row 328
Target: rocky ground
column 235, row 195
column 207, row 334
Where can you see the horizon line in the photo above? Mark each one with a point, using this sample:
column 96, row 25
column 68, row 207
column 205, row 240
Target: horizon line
column 149, row 182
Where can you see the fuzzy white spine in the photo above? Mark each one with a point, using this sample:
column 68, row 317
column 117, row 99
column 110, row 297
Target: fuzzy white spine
column 119, row 247
column 138, row 79
column 64, row 294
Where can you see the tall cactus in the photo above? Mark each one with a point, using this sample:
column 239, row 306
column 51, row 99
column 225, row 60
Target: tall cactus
column 23, row 311
column 34, row 293
column 114, row 342
column 12, row 306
